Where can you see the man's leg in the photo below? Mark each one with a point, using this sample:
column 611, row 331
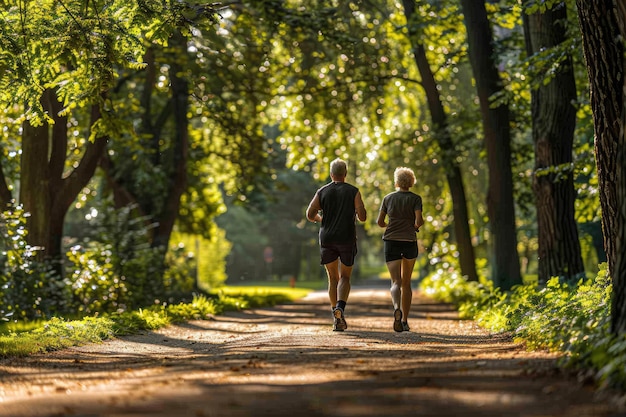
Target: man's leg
column 343, row 288
column 332, row 271
column 336, row 289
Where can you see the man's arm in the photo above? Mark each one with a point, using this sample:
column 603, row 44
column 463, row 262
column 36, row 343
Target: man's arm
column 359, row 206
column 313, row 209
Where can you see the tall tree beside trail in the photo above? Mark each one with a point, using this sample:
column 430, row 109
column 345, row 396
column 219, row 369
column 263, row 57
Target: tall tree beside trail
column 603, row 28
column 441, row 131
column 46, row 190
column 57, row 68
column 618, row 322
column 496, row 127
column 165, row 141
column 554, row 121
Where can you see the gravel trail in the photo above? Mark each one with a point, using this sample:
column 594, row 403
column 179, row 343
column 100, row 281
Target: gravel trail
column 286, row 361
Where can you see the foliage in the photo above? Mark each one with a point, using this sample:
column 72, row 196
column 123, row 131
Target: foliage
column 110, row 268
column 57, row 333
column 257, row 296
column 312, row 80
column 117, row 258
column 117, row 269
column 199, row 259
column 272, row 216
column 26, row 287
column 571, row 319
column 449, row 286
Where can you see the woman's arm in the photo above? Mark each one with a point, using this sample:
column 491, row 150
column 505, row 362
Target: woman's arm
column 381, row 218
column 419, row 220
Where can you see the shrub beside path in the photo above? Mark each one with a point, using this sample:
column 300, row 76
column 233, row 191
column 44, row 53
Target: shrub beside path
column 286, row 361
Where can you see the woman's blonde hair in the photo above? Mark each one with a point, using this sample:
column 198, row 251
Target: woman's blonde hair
column 404, row 177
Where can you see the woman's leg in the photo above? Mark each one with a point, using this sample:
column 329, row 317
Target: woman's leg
column 407, row 292
column 395, row 271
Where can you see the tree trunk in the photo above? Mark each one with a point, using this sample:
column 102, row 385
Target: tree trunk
column 602, row 28
column 6, row 196
column 44, row 190
column 554, row 121
column 500, row 203
column 34, row 183
column 180, row 101
column 618, row 302
column 448, row 152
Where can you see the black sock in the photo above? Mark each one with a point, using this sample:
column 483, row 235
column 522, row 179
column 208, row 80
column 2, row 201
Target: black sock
column 341, row 304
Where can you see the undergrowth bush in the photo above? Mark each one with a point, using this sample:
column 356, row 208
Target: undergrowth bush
column 111, row 268
column 27, row 286
column 571, row 319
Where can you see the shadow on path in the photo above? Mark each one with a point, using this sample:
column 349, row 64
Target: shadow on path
column 286, row 361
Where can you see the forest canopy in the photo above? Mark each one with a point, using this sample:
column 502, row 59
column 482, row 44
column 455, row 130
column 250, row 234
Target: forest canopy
column 154, row 149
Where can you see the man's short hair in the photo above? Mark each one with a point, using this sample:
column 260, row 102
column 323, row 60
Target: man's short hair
column 338, row 168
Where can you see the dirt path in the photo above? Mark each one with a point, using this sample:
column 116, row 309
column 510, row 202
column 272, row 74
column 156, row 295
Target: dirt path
column 285, row 361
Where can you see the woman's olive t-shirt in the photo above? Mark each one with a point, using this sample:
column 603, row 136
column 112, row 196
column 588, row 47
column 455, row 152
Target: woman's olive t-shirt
column 400, row 206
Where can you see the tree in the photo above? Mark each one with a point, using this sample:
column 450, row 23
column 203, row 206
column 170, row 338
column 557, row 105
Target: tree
column 57, row 70
column 603, row 27
column 66, row 68
column 162, row 141
column 496, row 129
column 441, row 133
column 554, row 120
column 46, row 191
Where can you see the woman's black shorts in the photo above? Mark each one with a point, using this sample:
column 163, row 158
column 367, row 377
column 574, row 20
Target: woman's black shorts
column 396, row 249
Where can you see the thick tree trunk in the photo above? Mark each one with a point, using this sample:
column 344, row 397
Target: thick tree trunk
column 442, row 135
column 618, row 318
column 44, row 191
column 618, row 315
column 500, row 202
column 554, row 121
column 34, row 183
column 603, row 46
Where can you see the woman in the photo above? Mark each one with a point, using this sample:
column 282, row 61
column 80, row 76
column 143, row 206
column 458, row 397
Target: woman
column 404, row 209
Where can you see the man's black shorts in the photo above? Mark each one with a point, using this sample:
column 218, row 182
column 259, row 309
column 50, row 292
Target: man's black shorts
column 346, row 253
column 396, row 249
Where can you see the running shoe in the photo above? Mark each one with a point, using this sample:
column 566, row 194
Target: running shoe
column 340, row 322
column 405, row 326
column 397, row 321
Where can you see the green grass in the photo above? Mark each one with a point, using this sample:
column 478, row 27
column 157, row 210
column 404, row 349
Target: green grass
column 26, row 338
column 265, row 291
column 308, row 285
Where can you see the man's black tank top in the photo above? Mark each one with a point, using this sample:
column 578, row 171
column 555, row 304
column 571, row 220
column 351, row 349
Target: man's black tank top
column 338, row 213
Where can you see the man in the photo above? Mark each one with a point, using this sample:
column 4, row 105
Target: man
column 336, row 205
